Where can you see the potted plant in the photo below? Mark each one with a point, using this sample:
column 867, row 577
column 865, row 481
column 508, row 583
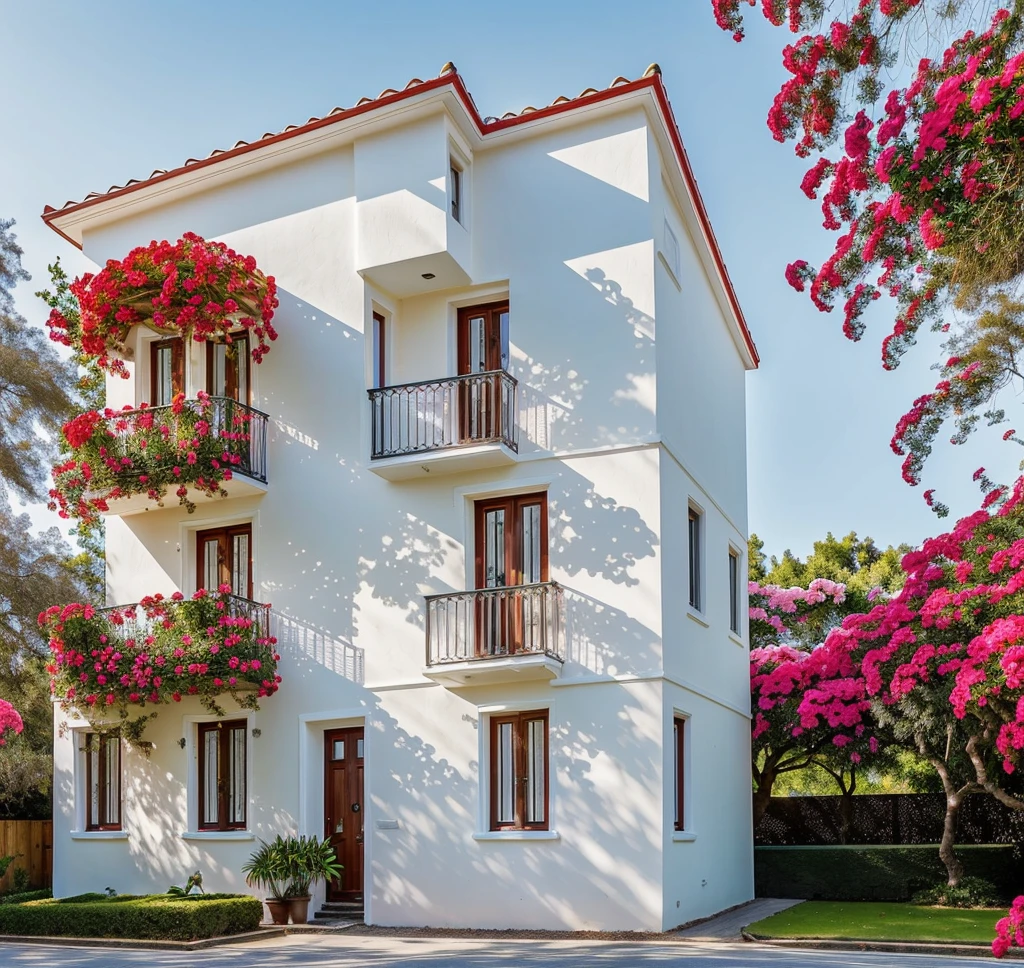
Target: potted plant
column 269, row 868
column 310, row 860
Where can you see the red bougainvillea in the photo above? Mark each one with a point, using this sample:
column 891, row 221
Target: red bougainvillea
column 10, row 721
column 194, row 288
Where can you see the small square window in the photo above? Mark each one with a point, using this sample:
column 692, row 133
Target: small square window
column 455, row 183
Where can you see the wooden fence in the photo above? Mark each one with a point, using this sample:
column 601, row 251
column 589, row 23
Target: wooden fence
column 31, row 843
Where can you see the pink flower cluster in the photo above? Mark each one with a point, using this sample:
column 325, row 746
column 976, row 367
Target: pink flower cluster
column 161, row 650
column 1010, row 930
column 10, row 721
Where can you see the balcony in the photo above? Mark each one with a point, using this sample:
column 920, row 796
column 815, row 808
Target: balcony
column 444, row 426
column 510, row 634
column 144, row 440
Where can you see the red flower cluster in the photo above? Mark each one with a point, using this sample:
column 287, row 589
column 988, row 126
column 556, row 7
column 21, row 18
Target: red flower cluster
column 193, row 288
column 160, row 651
column 189, row 444
column 10, row 721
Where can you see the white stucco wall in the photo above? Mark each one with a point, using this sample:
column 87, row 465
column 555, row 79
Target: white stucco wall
column 561, row 224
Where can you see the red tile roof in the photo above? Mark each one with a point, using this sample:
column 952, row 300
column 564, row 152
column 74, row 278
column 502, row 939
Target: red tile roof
column 486, row 125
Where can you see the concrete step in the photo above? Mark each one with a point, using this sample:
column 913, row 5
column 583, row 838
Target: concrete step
column 340, row 911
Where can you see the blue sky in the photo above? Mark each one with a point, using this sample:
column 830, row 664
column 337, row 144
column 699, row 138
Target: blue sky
column 103, row 91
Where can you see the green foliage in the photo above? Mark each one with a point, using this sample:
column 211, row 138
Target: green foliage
column 971, row 892
column 881, row 873
column 26, row 896
column 20, row 880
column 157, row 916
column 192, row 881
column 288, row 867
column 5, row 862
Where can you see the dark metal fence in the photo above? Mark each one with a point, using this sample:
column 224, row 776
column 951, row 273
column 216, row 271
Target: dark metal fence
column 474, row 408
column 490, row 622
column 899, row 818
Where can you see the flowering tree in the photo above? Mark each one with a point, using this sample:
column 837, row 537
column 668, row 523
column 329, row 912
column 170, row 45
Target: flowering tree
column 194, row 289
column 925, row 192
column 161, row 650
column 191, row 443
column 1010, row 930
column 10, row 721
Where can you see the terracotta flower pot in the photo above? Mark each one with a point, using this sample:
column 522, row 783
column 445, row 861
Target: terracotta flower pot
column 279, row 910
column 299, row 907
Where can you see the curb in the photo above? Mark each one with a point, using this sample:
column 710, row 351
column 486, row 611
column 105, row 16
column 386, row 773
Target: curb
column 141, row 943
column 891, row 947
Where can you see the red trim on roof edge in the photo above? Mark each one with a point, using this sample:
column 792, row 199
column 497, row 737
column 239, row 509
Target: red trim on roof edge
column 455, row 80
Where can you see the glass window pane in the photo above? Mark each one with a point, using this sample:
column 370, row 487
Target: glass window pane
column 236, row 775
column 112, row 781
column 359, row 749
column 504, row 340
column 477, row 344
column 241, row 363
column 220, row 373
column 210, row 753
column 338, row 750
column 494, row 536
column 506, row 775
column 163, row 376
column 240, row 565
column 92, row 751
column 211, row 567
column 536, row 780
column 531, row 544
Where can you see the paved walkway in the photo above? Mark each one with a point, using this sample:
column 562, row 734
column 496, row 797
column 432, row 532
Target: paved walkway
column 727, row 927
column 339, row 951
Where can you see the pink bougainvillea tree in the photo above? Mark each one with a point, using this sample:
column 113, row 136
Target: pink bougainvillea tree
column 10, row 721
column 923, row 184
column 192, row 288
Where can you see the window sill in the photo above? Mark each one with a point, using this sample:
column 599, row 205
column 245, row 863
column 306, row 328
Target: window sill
column 99, row 834
column 518, row 835
column 736, row 640
column 683, row 836
column 697, row 617
column 217, row 835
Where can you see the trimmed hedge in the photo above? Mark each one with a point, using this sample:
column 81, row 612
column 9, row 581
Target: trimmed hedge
column 880, row 873
column 156, row 916
column 24, row 896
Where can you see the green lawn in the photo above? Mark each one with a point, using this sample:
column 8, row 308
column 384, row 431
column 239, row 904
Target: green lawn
column 880, row 921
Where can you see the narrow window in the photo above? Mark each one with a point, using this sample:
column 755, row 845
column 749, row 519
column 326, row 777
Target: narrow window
column 227, row 369
column 379, row 375
column 734, row 591
column 679, row 763
column 519, row 771
column 166, row 370
column 455, row 176
column 103, row 781
column 695, row 559
column 222, row 766
column 224, row 557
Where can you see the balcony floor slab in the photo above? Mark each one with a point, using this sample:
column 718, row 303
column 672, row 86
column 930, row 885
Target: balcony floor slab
column 238, row 486
column 443, row 461
column 485, row 672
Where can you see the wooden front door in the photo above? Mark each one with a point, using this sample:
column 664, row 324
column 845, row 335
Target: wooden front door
column 343, row 809
column 511, row 550
column 483, row 348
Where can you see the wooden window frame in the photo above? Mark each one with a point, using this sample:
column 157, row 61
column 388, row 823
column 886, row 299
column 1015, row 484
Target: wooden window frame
column 379, row 351
column 103, row 822
column 679, row 724
column 223, row 536
column 493, row 311
column 735, row 619
column 512, row 505
column 236, row 338
column 177, row 347
column 519, row 721
column 223, row 728
column 695, row 550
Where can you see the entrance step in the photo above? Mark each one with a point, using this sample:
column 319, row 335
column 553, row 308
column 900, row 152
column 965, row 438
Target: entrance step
column 340, row 911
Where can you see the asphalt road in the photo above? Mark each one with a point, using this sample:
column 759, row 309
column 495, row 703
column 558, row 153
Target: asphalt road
column 322, row 951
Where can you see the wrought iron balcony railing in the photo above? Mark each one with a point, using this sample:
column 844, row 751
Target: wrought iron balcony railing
column 474, row 408
column 242, row 429
column 492, row 623
column 135, row 621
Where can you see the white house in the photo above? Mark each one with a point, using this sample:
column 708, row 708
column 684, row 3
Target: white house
column 500, row 517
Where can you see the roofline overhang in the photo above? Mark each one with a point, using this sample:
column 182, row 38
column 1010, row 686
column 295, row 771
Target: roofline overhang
column 450, row 89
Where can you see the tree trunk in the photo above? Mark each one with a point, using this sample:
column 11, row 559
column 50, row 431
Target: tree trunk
column 763, row 794
column 954, row 868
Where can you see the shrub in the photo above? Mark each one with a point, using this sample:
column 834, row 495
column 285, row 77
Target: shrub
column 23, row 896
column 878, row 873
column 156, row 916
column 20, row 880
column 971, row 892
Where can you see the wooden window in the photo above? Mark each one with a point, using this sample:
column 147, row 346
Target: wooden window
column 734, row 591
column 222, row 772
column 679, row 779
column 483, row 338
column 224, row 557
column 102, row 753
column 228, row 372
column 512, row 540
column 379, row 372
column 455, row 177
column 694, row 536
column 519, row 771
column 166, row 370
